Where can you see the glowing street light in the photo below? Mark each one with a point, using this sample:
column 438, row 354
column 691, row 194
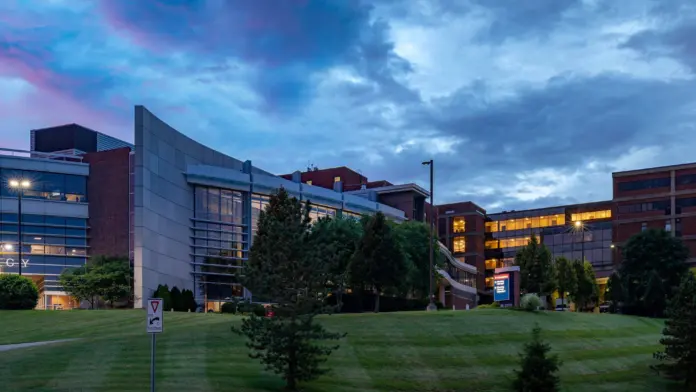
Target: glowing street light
column 20, row 184
column 8, row 246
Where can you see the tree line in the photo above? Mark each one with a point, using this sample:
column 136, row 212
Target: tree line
column 542, row 274
column 295, row 265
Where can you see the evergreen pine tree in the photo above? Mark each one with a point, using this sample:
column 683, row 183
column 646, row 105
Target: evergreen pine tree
column 537, row 273
column 538, row 368
column 679, row 335
column 282, row 269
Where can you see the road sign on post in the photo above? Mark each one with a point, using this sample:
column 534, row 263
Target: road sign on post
column 155, row 322
column 154, row 325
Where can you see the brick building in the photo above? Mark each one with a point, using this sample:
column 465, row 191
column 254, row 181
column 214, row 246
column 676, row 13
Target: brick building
column 409, row 198
column 110, row 209
column 460, row 227
column 656, row 198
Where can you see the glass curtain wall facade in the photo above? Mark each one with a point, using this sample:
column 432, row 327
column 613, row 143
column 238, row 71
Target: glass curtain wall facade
column 50, row 244
column 557, row 230
column 46, row 186
column 220, row 241
column 221, row 237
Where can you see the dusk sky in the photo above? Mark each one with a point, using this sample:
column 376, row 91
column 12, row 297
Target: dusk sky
column 520, row 103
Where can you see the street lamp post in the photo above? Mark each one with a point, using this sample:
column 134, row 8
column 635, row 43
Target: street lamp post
column 19, row 185
column 431, row 303
column 579, row 225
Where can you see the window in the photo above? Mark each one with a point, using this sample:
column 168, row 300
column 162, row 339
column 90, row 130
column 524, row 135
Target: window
column 491, row 227
column 491, row 244
column 525, row 223
column 686, row 179
column 458, row 225
column 586, row 216
column 644, row 207
column 492, row 264
column 643, row 226
column 514, row 242
column 668, row 226
column 459, row 245
column 644, row 184
column 686, row 202
column 309, row 182
column 337, row 179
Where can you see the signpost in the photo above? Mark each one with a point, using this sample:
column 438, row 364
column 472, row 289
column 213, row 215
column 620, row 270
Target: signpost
column 154, row 324
column 501, row 288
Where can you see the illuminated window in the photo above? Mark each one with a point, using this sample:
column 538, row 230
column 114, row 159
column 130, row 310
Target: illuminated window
column 459, row 245
column 527, row 223
column 507, row 243
column 491, row 264
column 585, row 216
column 489, row 283
column 458, row 225
column 309, row 182
column 337, row 179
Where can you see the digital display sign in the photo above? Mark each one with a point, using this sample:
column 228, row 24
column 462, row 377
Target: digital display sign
column 501, row 287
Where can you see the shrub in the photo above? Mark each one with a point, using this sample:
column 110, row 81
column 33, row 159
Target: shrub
column 163, row 292
column 189, row 300
column 530, row 302
column 17, row 292
column 494, row 305
column 177, row 300
column 229, row 307
column 249, row 308
column 357, row 303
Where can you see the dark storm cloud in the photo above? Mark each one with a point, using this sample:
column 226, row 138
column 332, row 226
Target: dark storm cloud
column 562, row 123
column 288, row 40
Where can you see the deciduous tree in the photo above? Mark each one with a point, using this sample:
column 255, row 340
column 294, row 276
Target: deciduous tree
column 585, row 290
column 334, row 241
column 379, row 260
column 654, row 263
column 413, row 238
column 565, row 277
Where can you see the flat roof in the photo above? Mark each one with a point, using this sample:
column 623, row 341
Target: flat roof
column 393, row 189
column 655, row 169
column 588, row 204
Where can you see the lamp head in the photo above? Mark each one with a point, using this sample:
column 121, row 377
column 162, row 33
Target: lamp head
column 578, row 223
column 25, row 184
column 13, row 183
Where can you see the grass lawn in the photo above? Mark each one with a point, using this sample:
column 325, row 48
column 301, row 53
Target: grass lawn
column 415, row 351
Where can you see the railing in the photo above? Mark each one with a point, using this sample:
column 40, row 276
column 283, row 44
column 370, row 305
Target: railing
column 41, row 155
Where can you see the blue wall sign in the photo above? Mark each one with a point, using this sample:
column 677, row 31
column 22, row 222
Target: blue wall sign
column 501, row 287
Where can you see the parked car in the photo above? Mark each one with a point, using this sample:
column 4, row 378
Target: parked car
column 561, row 308
column 604, row 307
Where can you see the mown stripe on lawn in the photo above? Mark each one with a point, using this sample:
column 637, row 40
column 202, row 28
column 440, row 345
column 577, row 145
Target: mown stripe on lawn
column 183, row 362
column 35, row 367
column 88, row 368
